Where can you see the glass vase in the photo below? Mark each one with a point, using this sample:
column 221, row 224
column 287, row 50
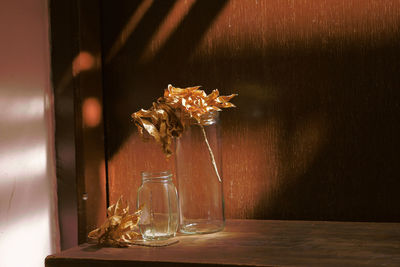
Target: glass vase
column 199, row 177
column 157, row 196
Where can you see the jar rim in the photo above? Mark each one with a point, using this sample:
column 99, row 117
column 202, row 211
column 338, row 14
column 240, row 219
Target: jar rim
column 208, row 118
column 156, row 174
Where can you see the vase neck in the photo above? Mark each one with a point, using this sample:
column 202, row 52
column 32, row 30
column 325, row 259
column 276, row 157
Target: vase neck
column 163, row 176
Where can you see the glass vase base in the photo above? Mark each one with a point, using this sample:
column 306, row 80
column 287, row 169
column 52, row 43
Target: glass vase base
column 154, row 236
column 201, row 227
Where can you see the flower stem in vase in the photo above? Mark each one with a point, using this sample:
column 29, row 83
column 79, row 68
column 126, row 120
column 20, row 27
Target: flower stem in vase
column 210, row 152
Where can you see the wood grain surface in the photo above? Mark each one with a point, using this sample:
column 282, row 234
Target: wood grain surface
column 315, row 134
column 256, row 243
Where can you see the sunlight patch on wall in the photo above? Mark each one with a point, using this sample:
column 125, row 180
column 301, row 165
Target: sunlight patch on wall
column 20, row 109
column 91, row 112
column 24, row 163
column 168, row 26
column 286, row 23
column 129, row 28
column 84, row 61
column 23, row 237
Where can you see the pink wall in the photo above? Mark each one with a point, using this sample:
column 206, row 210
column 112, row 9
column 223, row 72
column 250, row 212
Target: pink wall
column 28, row 226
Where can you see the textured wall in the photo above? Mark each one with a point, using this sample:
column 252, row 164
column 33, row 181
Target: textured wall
column 28, row 211
column 315, row 134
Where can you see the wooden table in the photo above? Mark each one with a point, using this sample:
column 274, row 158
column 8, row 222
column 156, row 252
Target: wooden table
column 256, row 243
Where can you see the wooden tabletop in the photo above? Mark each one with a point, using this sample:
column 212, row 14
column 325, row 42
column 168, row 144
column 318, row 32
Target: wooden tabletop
column 256, row 243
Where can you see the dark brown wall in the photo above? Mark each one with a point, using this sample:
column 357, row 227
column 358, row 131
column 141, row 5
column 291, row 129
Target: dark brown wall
column 79, row 131
column 315, row 134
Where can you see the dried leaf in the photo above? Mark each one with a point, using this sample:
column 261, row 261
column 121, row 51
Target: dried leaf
column 120, row 228
column 160, row 122
column 194, row 102
column 165, row 119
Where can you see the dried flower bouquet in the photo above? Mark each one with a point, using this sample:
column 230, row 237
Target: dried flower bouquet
column 167, row 118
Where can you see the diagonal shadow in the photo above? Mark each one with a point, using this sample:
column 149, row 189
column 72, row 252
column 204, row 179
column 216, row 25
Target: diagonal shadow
column 120, row 101
column 191, row 30
column 114, row 23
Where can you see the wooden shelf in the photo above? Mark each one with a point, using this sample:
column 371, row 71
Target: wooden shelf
column 256, row 243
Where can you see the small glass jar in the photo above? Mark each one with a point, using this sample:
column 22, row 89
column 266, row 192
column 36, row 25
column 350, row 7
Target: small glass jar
column 199, row 177
column 158, row 198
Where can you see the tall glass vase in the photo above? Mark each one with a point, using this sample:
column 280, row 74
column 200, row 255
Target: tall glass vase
column 199, row 177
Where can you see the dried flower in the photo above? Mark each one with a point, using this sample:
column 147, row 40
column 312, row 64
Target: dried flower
column 160, row 122
column 195, row 102
column 164, row 120
column 119, row 230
